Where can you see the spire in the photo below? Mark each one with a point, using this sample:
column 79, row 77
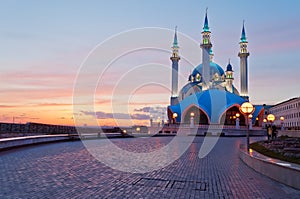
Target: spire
column 206, row 28
column 175, row 46
column 243, row 37
column 229, row 67
column 175, row 43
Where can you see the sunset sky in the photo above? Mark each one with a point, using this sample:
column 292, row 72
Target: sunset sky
column 43, row 44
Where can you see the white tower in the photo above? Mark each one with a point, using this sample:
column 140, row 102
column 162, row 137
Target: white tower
column 206, row 46
column 175, row 59
column 243, row 54
column 229, row 78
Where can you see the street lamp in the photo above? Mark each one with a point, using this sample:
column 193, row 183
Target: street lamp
column 247, row 108
column 237, row 121
column 192, row 120
column 151, row 120
column 250, row 121
column 271, row 118
column 265, row 121
column 282, row 119
column 174, row 117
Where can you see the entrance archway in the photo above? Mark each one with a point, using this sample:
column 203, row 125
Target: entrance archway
column 199, row 116
column 229, row 117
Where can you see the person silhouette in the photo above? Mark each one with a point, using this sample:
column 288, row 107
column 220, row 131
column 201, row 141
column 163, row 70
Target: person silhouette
column 274, row 132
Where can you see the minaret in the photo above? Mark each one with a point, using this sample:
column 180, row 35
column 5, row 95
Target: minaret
column 243, row 54
column 175, row 59
column 229, row 78
column 206, row 46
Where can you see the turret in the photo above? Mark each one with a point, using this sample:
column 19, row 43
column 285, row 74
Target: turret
column 229, row 78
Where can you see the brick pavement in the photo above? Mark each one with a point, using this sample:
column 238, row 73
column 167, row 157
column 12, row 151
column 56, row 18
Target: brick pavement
column 67, row 170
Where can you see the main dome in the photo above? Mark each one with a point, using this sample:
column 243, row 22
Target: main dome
column 214, row 68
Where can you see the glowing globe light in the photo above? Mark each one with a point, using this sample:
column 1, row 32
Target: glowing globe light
column 271, row 117
column 175, row 115
column 265, row 120
column 247, row 108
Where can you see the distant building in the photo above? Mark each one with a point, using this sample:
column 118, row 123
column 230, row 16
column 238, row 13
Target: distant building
column 290, row 110
column 210, row 97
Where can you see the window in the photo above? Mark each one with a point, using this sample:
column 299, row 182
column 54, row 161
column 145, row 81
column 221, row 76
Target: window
column 198, row 77
column 216, row 76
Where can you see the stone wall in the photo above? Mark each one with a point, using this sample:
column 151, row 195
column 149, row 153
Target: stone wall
column 17, row 130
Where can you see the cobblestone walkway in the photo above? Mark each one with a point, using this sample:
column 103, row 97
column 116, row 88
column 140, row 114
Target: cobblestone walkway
column 67, row 170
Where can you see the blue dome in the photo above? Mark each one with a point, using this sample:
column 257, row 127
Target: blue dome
column 188, row 86
column 214, row 68
column 229, row 67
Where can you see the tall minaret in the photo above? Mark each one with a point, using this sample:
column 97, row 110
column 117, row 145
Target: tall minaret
column 243, row 54
column 175, row 59
column 206, row 46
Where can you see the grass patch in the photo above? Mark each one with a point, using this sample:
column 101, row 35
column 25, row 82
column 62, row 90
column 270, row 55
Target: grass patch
column 261, row 149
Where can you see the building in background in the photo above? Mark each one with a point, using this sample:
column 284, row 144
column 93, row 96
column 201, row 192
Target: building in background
column 290, row 111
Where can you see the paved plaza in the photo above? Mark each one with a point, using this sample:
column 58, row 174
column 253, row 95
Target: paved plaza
column 67, row 170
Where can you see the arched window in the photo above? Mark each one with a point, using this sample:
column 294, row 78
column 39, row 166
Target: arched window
column 198, row 77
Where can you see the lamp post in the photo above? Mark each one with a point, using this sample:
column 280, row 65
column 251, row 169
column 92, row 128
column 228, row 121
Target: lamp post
column 151, row 120
column 281, row 120
column 247, row 108
column 250, row 121
column 265, row 121
column 192, row 120
column 174, row 117
column 270, row 119
column 237, row 121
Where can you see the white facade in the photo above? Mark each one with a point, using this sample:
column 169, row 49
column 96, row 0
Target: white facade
column 290, row 110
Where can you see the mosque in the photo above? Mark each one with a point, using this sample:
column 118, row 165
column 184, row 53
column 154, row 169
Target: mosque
column 210, row 96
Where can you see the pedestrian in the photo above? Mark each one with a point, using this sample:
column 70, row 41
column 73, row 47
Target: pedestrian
column 274, row 132
column 269, row 132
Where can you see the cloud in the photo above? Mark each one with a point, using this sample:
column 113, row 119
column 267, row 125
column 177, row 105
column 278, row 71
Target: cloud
column 151, row 110
column 34, row 118
column 103, row 115
column 144, row 109
column 53, row 104
column 7, row 106
column 140, row 116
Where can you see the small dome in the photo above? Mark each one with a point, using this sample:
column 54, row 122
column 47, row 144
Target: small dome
column 229, row 67
column 214, row 68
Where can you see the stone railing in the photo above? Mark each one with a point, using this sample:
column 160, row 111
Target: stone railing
column 284, row 172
